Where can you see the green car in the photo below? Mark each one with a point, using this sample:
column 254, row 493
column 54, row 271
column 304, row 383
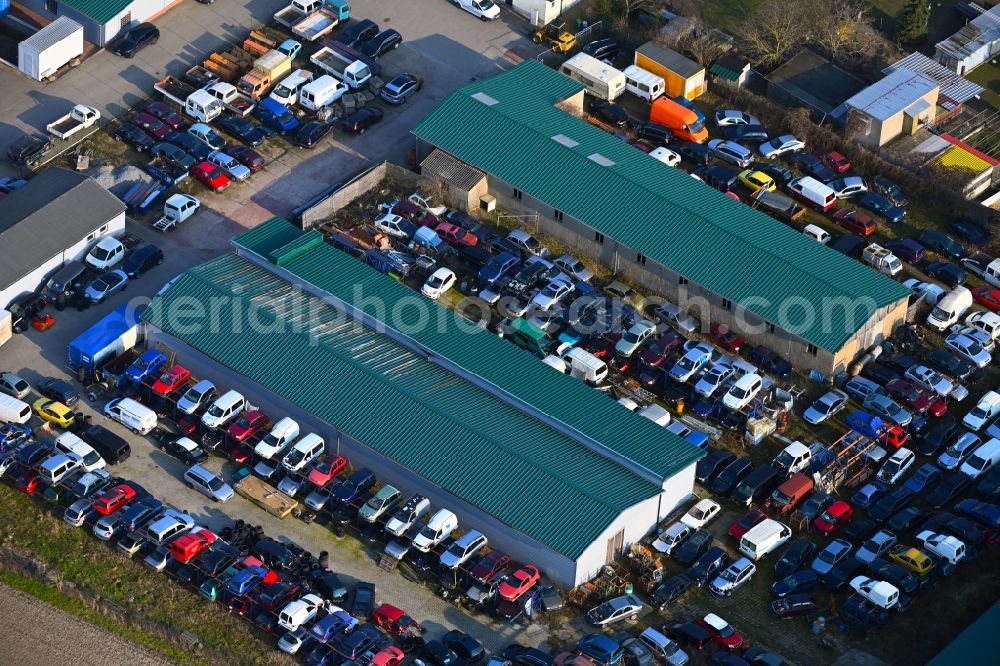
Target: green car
column 213, row 587
column 55, row 494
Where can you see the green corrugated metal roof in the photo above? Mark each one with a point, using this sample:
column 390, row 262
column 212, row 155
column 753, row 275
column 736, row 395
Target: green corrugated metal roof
column 445, row 429
column 518, row 374
column 661, row 212
column 101, row 11
column 724, row 72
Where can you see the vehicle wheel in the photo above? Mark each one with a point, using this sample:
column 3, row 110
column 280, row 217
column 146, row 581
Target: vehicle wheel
column 536, row 39
column 189, row 485
column 634, row 617
column 118, row 139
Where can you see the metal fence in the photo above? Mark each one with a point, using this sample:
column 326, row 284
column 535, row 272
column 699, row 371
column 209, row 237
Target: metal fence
column 552, row 57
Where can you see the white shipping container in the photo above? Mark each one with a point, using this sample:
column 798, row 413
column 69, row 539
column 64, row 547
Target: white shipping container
column 50, row 48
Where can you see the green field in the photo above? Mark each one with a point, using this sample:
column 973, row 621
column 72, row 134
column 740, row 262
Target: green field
column 988, row 76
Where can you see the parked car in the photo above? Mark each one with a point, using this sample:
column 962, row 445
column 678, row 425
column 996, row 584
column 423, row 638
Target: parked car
column 361, row 120
column 615, row 610
column 779, row 146
column 400, row 88
column 133, row 136
column 310, row 134
column 242, row 129
column 942, row 244
column 135, row 39
column 878, row 204
column 733, row 577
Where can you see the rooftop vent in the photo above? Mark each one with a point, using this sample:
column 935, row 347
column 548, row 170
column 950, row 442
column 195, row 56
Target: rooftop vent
column 565, row 140
column 484, row 98
column 601, row 159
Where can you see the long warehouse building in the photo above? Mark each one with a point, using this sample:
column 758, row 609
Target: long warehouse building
column 658, row 227
column 549, row 469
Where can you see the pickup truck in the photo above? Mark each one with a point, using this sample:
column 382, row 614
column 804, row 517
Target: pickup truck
column 299, row 9
column 354, row 72
column 881, row 259
column 231, row 98
column 984, row 266
column 166, row 172
column 176, row 209
column 173, row 89
column 200, row 77
column 80, row 117
column 318, row 24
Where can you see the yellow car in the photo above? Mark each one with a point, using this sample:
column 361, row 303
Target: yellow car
column 757, row 181
column 54, row 412
column 913, row 559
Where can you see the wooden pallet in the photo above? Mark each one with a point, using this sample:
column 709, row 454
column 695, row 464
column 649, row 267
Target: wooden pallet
column 387, row 562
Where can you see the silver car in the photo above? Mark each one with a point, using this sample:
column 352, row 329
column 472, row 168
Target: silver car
column 884, row 406
column 208, row 484
column 195, row 397
column 733, row 577
column 829, row 404
column 14, row 385
column 614, row 610
column 959, row 452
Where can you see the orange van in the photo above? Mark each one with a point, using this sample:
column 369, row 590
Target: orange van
column 791, row 492
column 682, row 121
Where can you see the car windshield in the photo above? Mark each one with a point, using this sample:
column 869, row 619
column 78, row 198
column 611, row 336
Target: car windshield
column 630, row 336
column 829, row 518
column 141, row 363
column 738, row 392
column 215, row 483
column 101, row 254
column 434, row 282
column 730, row 575
column 829, row 555
column 215, row 410
column 194, row 395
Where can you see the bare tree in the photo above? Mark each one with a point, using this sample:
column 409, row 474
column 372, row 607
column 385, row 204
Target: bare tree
column 773, row 29
column 702, row 44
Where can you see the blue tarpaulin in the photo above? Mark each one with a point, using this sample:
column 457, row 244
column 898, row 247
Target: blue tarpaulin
column 110, row 336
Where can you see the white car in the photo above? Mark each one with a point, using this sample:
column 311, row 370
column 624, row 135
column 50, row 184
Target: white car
column 229, row 164
column 829, row 404
column 848, row 186
column 780, row 145
column 701, row 514
column 613, row 610
column 743, row 391
column 665, row 155
column 693, row 360
column 969, row 349
column 635, row 337
column 484, row 9
column 552, row 294
column 980, row 336
column 108, row 252
column 438, row 283
column 297, row 613
column 931, row 292
column 715, row 377
column 926, row 378
column 574, row 268
column 726, row 117
column 950, row 548
column 879, row 592
column 394, row 225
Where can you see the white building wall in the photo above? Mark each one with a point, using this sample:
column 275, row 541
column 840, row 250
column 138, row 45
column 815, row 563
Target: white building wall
column 78, row 250
column 136, row 13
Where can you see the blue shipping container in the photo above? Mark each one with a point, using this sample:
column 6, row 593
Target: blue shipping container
column 109, row 337
column 4, row 8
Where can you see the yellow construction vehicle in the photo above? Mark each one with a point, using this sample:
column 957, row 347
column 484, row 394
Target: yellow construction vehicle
column 555, row 35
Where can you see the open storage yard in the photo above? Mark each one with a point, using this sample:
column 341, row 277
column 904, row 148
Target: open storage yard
column 254, row 447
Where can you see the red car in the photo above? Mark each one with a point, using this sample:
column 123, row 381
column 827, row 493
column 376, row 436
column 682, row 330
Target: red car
column 836, row 516
column 171, row 380
column 113, row 499
column 836, row 161
column 519, row 582
column 326, row 470
column 855, row 221
column 239, row 453
column 644, row 147
column 187, row 546
column 656, row 354
column 747, row 521
column 162, row 111
column 395, row 622
column 493, row 563
column 988, row 297
column 721, row 632
column 388, row 656
column 913, row 398
column 248, row 157
column 247, row 424
column 452, row 234
column 723, row 337
column 210, row 175
column 28, row 481
column 151, row 126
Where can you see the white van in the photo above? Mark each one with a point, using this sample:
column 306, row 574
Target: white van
column 69, row 443
column 949, row 309
column 56, row 468
column 438, row 528
column 813, row 192
column 943, row 545
column 136, row 417
column 324, row 91
column 763, row 538
column 287, row 90
column 13, row 410
column 982, row 459
column 818, row 234
column 793, row 458
column 304, row 452
column 225, row 408
column 643, row 83
column 203, row 106
column 987, row 407
column 275, row 442
column 584, row 365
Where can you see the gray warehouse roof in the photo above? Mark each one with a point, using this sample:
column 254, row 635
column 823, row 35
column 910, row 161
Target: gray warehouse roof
column 55, row 210
column 672, row 60
column 893, row 94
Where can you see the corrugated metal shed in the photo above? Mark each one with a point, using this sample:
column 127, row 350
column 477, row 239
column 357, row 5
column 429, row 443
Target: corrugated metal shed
column 478, row 352
column 101, row 11
column 727, row 247
column 954, row 87
column 892, row 94
column 456, row 172
column 445, row 429
column 53, row 33
column 980, row 32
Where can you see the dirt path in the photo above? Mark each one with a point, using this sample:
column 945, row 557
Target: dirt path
column 36, row 634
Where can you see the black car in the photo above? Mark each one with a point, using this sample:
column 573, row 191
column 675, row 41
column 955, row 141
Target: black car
column 174, row 155
column 400, row 88
column 806, row 580
column 274, row 554
column 435, row 652
column 900, row 362
column 889, row 190
column 363, row 602
column 859, row 529
column 526, row 656
column 879, row 373
column 23, row 309
column 135, row 40
column 696, row 153
column 948, row 488
column 709, row 467
column 655, row 133
column 745, row 133
column 312, row 133
column 708, row 566
column 189, row 144
column 942, row 244
column 59, row 390
column 970, row 231
column 842, row 572
column 689, row 634
column 780, row 174
column 793, row 606
column 770, row 362
column 671, row 590
column 183, row 451
column 878, row 204
column 950, row 274
column 693, row 547
column 465, row 646
column 907, row 581
column 602, row 49
column 731, row 475
column 328, row 585
column 381, row 43
column 890, row 503
column 906, row 521
column 815, row 167
column 816, row 504
column 27, row 151
column 990, row 483
column 610, row 113
column 242, row 129
column 362, row 119
column 357, row 33
column 944, row 361
column 133, row 136
column 216, row 559
column 957, row 526
column 934, row 439
column 141, row 260
column 795, row 556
